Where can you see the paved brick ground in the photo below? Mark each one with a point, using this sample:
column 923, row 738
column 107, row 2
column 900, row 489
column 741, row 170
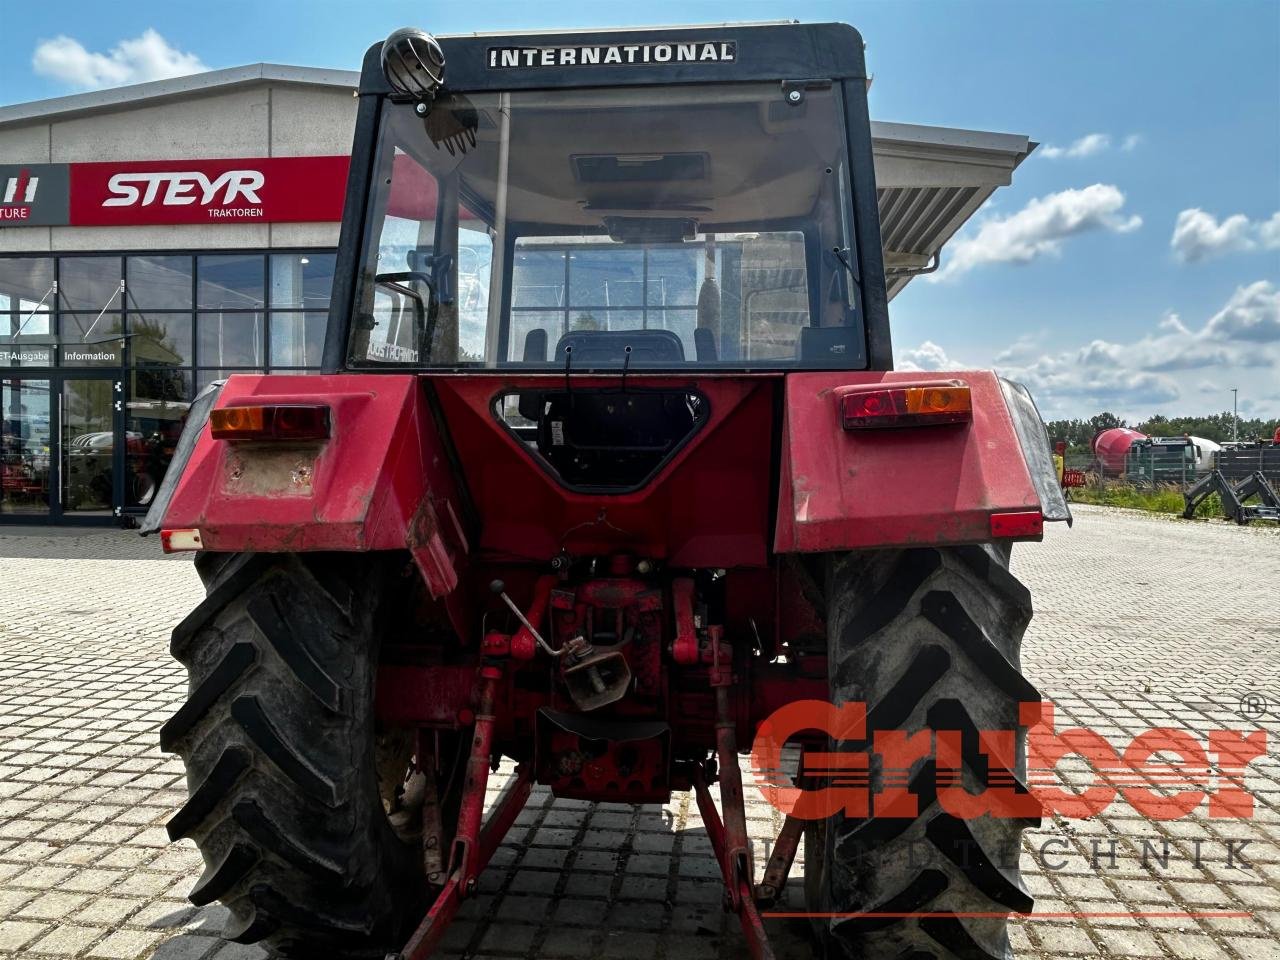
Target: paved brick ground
column 1140, row 622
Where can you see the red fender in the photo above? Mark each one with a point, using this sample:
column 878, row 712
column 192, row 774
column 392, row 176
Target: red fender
column 909, row 486
column 380, row 482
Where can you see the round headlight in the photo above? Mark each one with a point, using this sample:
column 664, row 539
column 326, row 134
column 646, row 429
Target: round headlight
column 413, row 63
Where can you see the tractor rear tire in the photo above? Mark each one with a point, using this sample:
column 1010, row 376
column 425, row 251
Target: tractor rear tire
column 926, row 638
column 277, row 734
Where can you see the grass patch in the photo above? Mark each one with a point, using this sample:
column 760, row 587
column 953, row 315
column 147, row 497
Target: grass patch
column 1154, row 500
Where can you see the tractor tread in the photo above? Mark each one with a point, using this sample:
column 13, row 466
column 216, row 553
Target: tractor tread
column 331, row 579
column 288, row 759
column 329, row 922
column 929, row 637
column 278, row 737
column 270, row 620
column 928, row 666
column 998, row 578
column 919, row 893
column 236, row 575
column 944, row 611
column 206, row 797
column 234, row 662
column 218, row 879
column 269, row 835
column 914, row 568
column 951, row 933
column 874, row 832
column 251, row 926
column 957, row 843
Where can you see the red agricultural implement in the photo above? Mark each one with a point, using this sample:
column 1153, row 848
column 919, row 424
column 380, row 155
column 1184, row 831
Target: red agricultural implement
column 608, row 465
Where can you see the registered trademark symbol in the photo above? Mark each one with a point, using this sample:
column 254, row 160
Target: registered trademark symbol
column 1253, row 706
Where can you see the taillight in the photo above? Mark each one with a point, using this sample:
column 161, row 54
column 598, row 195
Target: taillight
column 296, row 421
column 917, row 405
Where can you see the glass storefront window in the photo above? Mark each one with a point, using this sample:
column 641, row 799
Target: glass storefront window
column 302, row 280
column 538, row 278
column 156, row 412
column 606, row 278
column 297, row 339
column 26, row 295
column 229, row 339
column 27, row 319
column 176, row 310
column 89, row 283
column 230, row 282
column 87, row 445
column 161, row 338
column 158, row 283
column 206, row 375
column 89, row 327
column 673, row 278
column 26, row 444
column 21, row 352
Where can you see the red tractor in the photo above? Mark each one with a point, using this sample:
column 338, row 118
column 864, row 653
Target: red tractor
column 608, row 465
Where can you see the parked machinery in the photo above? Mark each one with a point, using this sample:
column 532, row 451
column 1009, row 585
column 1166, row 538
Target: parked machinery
column 605, row 521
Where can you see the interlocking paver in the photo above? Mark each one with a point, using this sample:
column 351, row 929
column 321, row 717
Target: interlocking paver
column 1140, row 622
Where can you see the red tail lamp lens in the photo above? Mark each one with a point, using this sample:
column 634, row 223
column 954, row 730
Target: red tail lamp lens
column 906, row 406
column 1023, row 523
column 283, row 422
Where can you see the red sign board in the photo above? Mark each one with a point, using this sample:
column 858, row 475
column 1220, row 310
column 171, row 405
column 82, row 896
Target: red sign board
column 253, row 190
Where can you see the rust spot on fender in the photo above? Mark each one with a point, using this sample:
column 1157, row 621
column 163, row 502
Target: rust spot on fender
column 267, row 470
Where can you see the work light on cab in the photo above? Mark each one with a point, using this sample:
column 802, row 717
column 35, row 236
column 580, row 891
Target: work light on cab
column 278, row 422
column 912, row 405
column 413, row 63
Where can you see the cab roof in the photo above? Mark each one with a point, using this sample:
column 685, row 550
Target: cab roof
column 719, row 53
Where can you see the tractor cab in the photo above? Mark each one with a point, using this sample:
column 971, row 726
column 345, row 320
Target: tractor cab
column 684, row 202
column 667, row 226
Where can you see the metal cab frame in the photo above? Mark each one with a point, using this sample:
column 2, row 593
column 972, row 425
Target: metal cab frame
column 793, row 55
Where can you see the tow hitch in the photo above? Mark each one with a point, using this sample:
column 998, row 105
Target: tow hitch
column 475, row 843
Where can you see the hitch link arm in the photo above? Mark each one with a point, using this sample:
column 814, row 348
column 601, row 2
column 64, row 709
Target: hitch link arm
column 474, row 845
column 729, row 838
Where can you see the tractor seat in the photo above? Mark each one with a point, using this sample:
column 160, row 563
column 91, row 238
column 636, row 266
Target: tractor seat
column 608, row 347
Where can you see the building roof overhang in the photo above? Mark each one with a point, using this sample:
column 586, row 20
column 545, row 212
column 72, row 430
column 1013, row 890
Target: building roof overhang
column 930, row 180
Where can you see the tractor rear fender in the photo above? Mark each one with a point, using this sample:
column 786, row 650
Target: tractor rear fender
column 989, row 478
column 381, row 481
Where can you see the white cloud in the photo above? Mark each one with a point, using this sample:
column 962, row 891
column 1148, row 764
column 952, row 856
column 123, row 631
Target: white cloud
column 927, row 356
column 1155, row 371
column 1038, row 229
column 1269, row 232
column 1086, row 146
column 1090, row 145
column 1023, row 350
column 145, row 57
column 1252, row 314
column 1198, row 235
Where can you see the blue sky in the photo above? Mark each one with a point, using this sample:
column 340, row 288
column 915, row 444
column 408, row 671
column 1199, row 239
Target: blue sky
column 1155, row 117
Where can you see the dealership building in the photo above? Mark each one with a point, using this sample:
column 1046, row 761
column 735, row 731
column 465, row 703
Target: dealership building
column 156, row 237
